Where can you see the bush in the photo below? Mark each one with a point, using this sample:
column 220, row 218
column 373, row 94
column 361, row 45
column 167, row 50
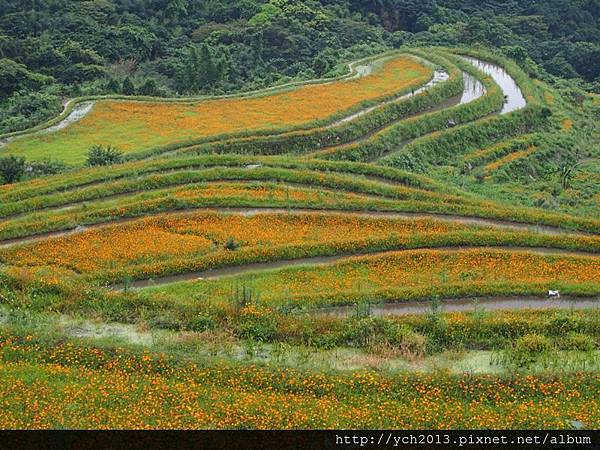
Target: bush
column 362, row 331
column 256, row 323
column 527, row 350
column 25, row 109
column 166, row 320
column 45, row 167
column 577, row 341
column 202, row 322
column 12, row 169
column 149, row 88
column 104, row 156
column 128, row 88
column 404, row 343
column 231, row 244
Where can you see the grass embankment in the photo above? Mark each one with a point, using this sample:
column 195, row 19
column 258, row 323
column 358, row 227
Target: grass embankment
column 311, row 179
column 97, row 175
column 134, row 126
column 438, row 148
column 491, row 155
column 388, row 140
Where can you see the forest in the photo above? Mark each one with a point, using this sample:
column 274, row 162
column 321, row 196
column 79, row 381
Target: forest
column 54, row 49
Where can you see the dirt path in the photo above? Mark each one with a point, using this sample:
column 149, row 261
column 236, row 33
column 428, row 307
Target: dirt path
column 466, row 304
column 473, row 90
column 439, row 76
column 79, row 111
column 513, row 97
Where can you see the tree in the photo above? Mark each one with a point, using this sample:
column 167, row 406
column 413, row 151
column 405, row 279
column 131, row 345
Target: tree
column 12, row 168
column 104, row 156
column 112, row 86
column 584, row 57
column 128, row 88
column 201, row 69
column 149, row 88
column 15, row 76
column 176, row 9
column 324, row 62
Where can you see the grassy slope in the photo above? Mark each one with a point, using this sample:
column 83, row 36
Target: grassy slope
column 50, row 384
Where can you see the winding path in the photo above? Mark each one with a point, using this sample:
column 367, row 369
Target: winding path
column 513, row 97
column 466, row 304
column 473, row 89
column 79, row 112
column 439, row 76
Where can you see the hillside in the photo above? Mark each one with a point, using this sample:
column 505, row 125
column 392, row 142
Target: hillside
column 328, row 214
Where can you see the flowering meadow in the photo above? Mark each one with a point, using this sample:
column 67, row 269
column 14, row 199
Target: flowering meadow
column 85, row 387
column 180, row 243
column 412, row 274
column 257, row 262
column 197, row 234
column 136, row 125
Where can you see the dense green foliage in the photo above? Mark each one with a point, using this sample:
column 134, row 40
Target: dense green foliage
column 65, row 48
column 12, row 168
column 103, row 156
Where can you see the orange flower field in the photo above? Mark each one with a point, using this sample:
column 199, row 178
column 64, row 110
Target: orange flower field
column 227, row 195
column 134, row 125
column 198, row 234
column 175, row 243
column 78, row 387
column 393, row 276
column 349, row 253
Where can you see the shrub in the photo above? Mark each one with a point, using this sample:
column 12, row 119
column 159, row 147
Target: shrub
column 527, row 350
column 128, row 88
column 362, row 331
column 411, row 346
column 256, row 323
column 149, row 88
column 232, row 244
column 103, row 156
column 12, row 169
column 46, row 167
column 202, row 323
column 166, row 320
column 577, row 341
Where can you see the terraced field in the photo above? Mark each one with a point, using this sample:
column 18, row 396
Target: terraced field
column 295, row 250
column 147, row 124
